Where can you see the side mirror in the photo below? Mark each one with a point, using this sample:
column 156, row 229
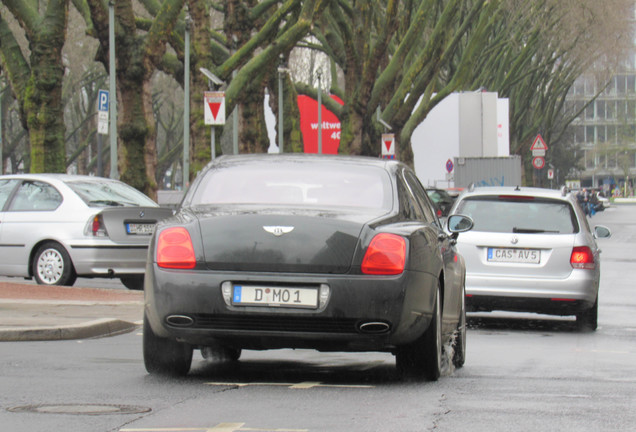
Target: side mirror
column 459, row 223
column 601, row 231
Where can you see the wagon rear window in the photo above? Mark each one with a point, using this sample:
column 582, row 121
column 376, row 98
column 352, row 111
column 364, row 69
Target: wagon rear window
column 519, row 214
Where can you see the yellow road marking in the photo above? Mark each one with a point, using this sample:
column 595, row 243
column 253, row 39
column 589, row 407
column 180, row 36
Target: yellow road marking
column 301, row 385
column 221, row 427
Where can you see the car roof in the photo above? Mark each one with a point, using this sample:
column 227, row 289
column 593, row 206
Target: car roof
column 516, row 190
column 305, row 157
column 53, row 176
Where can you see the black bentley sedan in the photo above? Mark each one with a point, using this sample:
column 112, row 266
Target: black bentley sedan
column 333, row 253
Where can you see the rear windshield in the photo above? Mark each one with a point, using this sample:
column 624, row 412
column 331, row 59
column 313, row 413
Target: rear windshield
column 107, row 193
column 296, row 184
column 519, row 214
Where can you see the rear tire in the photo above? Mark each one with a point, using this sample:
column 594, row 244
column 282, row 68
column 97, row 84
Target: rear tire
column 588, row 319
column 52, row 265
column 221, row 353
column 164, row 356
column 133, row 282
column 423, row 357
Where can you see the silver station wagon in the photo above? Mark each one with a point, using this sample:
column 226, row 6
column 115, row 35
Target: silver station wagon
column 56, row 227
column 530, row 250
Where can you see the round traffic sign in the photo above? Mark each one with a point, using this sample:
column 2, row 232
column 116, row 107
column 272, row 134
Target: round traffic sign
column 538, row 162
column 449, row 166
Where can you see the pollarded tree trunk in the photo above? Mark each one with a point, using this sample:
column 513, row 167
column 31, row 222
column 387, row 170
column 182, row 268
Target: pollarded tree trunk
column 37, row 84
column 133, row 131
column 253, row 133
column 201, row 49
column 137, row 59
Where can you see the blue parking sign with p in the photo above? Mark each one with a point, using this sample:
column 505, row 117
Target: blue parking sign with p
column 103, row 100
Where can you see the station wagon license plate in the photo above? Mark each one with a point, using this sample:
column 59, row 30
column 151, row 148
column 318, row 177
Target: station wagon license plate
column 512, row 255
column 254, row 295
column 140, row 228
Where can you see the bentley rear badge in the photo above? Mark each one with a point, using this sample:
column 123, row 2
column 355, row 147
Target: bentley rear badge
column 278, row 230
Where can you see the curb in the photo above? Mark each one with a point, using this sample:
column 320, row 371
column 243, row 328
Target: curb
column 92, row 329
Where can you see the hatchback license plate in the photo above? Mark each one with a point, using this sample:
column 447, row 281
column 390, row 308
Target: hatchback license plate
column 253, row 295
column 140, row 228
column 511, row 255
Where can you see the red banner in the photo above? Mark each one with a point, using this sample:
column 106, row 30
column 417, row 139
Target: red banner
column 308, row 108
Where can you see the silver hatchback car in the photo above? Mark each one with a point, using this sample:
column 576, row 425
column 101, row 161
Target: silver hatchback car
column 530, row 250
column 55, row 227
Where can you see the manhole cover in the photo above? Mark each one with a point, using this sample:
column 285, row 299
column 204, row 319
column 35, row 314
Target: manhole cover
column 81, row 409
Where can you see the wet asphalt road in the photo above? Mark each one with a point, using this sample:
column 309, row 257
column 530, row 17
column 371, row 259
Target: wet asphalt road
column 523, row 373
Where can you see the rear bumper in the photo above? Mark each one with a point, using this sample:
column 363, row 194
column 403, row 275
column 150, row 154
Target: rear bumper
column 108, row 259
column 523, row 304
column 546, row 295
column 404, row 303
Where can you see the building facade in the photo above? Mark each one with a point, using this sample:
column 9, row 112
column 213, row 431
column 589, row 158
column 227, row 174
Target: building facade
column 604, row 134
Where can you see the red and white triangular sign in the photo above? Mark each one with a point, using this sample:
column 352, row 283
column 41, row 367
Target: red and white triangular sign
column 388, row 145
column 214, row 108
column 538, row 143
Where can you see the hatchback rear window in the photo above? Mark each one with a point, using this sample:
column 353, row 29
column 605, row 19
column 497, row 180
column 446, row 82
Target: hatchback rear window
column 106, row 193
column 515, row 214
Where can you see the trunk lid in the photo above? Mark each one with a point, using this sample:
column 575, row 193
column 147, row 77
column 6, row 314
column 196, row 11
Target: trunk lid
column 295, row 241
column 132, row 225
column 503, row 254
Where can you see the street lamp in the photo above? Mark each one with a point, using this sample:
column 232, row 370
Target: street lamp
column 114, row 174
column 186, row 103
column 319, row 112
column 282, row 70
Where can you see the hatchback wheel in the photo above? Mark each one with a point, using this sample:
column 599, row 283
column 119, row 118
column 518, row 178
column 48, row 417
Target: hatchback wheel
column 134, row 282
column 588, row 319
column 164, row 356
column 52, row 265
column 423, row 357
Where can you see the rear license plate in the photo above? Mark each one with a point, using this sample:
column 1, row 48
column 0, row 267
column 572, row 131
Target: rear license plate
column 252, row 295
column 511, row 255
column 140, row 228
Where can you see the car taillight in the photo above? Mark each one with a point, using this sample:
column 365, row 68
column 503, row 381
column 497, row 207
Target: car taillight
column 174, row 249
column 96, row 227
column 386, row 255
column 582, row 258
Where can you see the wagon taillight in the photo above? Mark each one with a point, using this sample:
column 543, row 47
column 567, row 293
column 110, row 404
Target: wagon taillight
column 582, row 258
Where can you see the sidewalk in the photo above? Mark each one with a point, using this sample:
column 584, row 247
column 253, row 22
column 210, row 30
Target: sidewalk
column 35, row 313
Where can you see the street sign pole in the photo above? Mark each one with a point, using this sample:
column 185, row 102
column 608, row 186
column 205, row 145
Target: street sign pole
column 103, row 105
column 538, row 149
column 212, row 143
column 1, row 141
column 214, row 113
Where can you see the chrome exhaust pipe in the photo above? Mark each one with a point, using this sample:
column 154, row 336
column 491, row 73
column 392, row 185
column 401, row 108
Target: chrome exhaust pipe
column 374, row 327
column 179, row 320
